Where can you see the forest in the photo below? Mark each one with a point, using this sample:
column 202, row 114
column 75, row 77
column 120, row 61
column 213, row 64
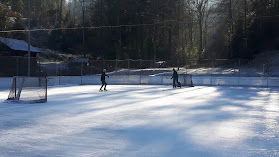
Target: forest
column 146, row 29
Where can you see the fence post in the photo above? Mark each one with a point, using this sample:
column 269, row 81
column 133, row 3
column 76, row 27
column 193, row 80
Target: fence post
column 211, row 71
column 81, row 69
column 234, row 68
column 56, row 69
column 211, row 79
column 116, row 64
column 104, row 63
column 91, row 67
column 40, row 74
column 17, row 66
column 239, row 66
column 81, row 72
column 140, row 62
column 263, row 69
column 128, row 60
column 186, row 66
column 238, row 72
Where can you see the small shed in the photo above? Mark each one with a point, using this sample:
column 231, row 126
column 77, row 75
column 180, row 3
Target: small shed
column 14, row 47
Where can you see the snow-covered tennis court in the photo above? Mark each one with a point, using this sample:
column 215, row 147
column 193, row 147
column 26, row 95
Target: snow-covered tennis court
column 143, row 121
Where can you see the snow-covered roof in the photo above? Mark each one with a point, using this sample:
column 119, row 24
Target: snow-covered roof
column 18, row 45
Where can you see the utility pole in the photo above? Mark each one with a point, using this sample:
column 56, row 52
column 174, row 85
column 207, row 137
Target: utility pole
column 29, row 63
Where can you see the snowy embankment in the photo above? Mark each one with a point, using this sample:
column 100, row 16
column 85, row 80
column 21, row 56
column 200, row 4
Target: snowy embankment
column 143, row 120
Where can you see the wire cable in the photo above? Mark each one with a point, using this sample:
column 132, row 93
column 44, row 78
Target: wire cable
column 116, row 26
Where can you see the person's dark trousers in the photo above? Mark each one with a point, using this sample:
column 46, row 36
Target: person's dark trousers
column 174, row 81
column 103, row 84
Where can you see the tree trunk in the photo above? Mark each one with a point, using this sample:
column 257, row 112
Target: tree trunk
column 60, row 13
column 170, row 41
column 245, row 22
column 231, row 17
column 200, row 35
column 231, row 30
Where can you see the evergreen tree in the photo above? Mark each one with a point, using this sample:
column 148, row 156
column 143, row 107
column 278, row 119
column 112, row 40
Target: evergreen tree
column 17, row 6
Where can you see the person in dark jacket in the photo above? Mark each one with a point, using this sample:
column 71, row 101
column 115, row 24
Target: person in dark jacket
column 103, row 80
column 175, row 78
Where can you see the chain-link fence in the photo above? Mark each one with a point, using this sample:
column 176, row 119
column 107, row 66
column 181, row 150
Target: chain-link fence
column 17, row 66
column 233, row 67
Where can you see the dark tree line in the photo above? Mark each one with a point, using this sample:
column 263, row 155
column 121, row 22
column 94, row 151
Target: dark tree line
column 151, row 29
column 247, row 28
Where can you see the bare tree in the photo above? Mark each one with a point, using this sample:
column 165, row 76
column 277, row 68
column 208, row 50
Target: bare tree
column 245, row 22
column 60, row 13
column 83, row 37
column 200, row 6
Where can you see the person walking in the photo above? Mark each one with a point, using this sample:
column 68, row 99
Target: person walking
column 103, row 80
column 175, row 78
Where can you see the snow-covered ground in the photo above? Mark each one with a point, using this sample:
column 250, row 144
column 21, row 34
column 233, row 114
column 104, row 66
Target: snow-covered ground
column 143, row 121
column 263, row 65
column 252, row 71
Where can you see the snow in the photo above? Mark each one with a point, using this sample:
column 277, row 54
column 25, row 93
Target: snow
column 143, row 120
column 18, row 45
column 265, row 64
column 252, row 71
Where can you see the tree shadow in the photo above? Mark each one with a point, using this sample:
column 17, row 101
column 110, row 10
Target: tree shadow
column 140, row 138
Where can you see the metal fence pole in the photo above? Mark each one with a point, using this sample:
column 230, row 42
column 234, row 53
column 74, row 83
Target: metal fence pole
column 39, row 66
column 91, row 66
column 140, row 62
column 128, row 62
column 116, row 64
column 186, row 66
column 56, row 69
column 263, row 69
column 238, row 72
column 104, row 64
column 81, row 69
column 234, row 70
column 211, row 73
column 17, row 66
column 29, row 53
